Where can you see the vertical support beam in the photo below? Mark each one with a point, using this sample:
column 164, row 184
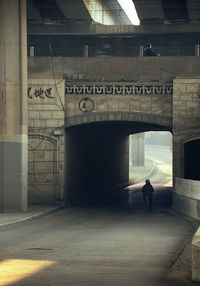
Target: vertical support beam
column 32, row 51
column 141, row 51
column 13, row 106
column 86, row 50
column 137, row 149
column 197, row 50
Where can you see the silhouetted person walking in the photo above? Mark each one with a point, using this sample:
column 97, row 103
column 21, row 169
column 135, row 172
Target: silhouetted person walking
column 147, row 191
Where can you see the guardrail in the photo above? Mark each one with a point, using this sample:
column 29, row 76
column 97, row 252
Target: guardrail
column 112, row 51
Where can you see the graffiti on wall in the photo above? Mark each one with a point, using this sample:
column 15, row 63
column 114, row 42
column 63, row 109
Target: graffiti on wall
column 39, row 93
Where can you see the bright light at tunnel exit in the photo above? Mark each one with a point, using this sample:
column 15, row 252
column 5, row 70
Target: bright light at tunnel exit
column 129, row 8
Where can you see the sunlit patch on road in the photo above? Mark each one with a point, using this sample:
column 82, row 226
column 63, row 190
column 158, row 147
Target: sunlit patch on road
column 14, row 270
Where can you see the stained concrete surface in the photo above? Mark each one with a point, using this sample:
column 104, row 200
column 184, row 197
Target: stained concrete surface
column 101, row 246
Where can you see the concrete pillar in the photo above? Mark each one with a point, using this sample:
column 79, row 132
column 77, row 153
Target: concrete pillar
column 197, row 50
column 13, row 106
column 86, row 51
column 137, row 149
column 141, row 51
column 32, row 51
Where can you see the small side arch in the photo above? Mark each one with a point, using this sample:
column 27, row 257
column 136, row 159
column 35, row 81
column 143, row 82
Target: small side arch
column 42, row 169
column 191, row 157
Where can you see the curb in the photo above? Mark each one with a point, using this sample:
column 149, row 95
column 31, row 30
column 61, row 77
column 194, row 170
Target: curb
column 147, row 175
column 8, row 225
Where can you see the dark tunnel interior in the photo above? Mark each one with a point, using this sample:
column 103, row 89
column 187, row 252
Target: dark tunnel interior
column 192, row 160
column 97, row 160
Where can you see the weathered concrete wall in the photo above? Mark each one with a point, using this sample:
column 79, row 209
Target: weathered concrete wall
column 187, row 197
column 13, row 106
column 117, row 68
column 46, row 148
column 97, row 160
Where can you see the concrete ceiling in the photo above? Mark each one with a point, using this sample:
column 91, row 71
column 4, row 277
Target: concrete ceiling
column 168, row 11
column 68, row 11
column 67, row 16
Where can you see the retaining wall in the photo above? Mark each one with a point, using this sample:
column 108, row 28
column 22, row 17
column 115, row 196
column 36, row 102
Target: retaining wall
column 187, row 197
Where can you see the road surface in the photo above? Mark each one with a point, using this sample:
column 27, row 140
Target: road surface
column 97, row 246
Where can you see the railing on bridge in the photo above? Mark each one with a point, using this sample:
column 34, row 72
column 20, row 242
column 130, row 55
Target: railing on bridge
column 138, row 51
column 112, row 51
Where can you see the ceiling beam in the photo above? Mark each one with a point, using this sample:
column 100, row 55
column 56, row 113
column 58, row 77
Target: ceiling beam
column 88, row 29
column 149, row 11
column 74, row 10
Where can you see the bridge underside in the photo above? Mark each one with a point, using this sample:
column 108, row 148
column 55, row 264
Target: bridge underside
column 97, row 159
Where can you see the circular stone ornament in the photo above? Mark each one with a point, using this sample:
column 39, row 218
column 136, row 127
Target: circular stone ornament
column 86, row 104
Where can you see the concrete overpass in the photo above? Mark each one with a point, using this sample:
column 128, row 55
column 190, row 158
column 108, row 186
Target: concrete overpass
column 137, row 92
column 141, row 102
column 76, row 106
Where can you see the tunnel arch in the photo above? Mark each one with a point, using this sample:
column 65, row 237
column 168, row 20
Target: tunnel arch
column 191, row 157
column 86, row 117
column 97, row 153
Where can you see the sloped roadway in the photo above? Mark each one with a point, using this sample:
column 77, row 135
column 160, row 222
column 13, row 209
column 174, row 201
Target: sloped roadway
column 98, row 246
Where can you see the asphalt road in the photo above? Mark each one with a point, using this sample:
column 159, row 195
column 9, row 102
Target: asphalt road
column 97, row 246
column 162, row 157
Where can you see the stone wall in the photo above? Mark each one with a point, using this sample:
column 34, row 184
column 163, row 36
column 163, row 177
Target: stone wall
column 186, row 117
column 85, row 101
column 153, row 101
column 46, row 138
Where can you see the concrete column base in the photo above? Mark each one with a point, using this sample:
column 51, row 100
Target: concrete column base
column 13, row 176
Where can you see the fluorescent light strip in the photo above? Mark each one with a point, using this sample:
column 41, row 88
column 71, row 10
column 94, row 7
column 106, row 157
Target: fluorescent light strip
column 129, row 8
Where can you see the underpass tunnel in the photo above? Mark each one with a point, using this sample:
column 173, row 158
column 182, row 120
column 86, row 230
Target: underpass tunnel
column 97, row 160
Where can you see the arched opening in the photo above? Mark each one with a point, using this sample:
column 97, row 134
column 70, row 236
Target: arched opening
column 150, row 158
column 42, row 169
column 192, row 160
column 97, row 161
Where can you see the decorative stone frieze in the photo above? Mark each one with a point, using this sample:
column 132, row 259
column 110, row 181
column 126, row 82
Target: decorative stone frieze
column 119, row 89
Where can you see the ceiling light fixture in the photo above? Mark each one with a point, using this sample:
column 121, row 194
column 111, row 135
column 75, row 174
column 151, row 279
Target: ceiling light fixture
column 129, row 8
